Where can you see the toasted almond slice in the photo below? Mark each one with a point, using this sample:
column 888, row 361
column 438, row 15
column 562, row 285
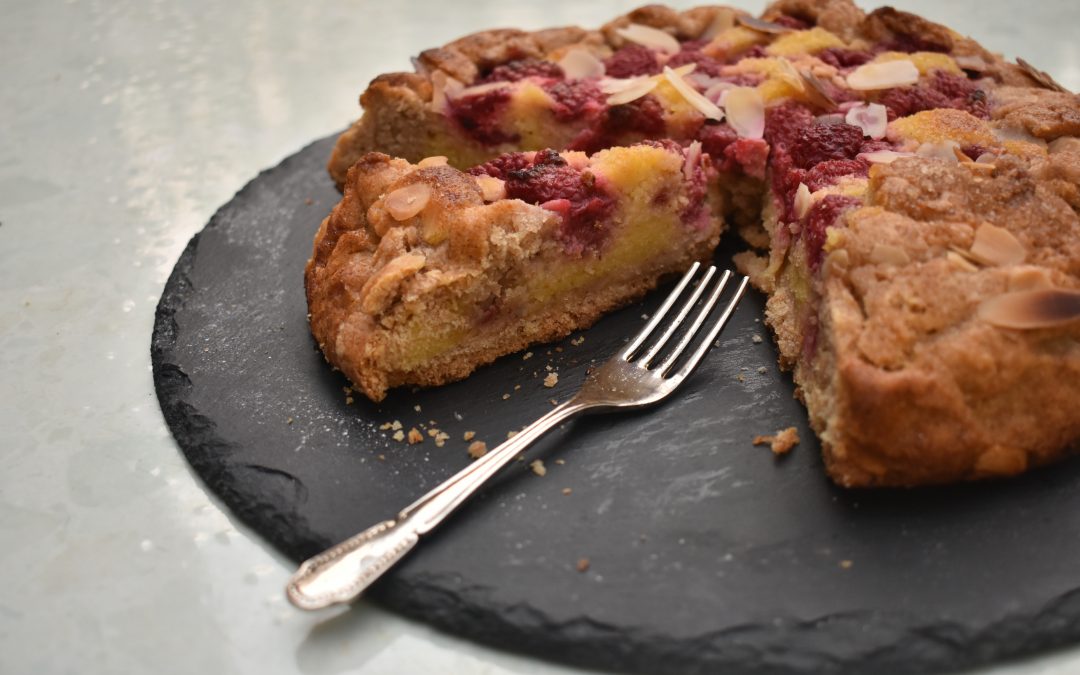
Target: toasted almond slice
column 632, row 92
column 579, row 64
column 613, row 85
column 1029, row 278
column 1041, row 76
column 872, row 118
column 1027, row 310
column 972, row 62
column 435, row 160
column 492, row 188
column 884, row 156
column 724, row 20
column 478, row 89
column 803, row 201
column 693, row 160
column 884, row 75
column 995, row 245
column 650, row 37
column 706, row 107
column 443, row 87
column 887, row 254
column 745, row 111
column 714, row 92
column 960, row 261
column 763, row 26
column 815, row 91
column 406, row 202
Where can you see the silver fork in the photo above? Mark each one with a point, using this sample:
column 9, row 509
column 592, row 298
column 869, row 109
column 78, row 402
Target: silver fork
column 634, row 378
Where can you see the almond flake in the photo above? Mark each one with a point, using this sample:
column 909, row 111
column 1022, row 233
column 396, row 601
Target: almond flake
column 960, row 262
column 1025, row 310
column 815, row 91
column 579, row 64
column 437, row 160
column 706, row 107
column 650, row 37
column 724, row 20
column 406, row 202
column 996, row 246
column 443, row 87
column 884, row 156
column 763, row 26
column 1029, row 278
column 745, row 111
column 491, row 187
column 1041, row 77
column 803, row 201
column 632, row 92
column 887, row 254
column 884, row 75
column 972, row 62
column 872, row 118
column 715, row 91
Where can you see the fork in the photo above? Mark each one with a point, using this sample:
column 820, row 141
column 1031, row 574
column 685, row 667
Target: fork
column 635, row 377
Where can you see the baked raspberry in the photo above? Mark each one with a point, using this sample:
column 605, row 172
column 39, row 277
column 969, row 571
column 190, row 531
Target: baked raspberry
column 715, row 138
column 632, row 60
column 521, row 69
column 822, row 216
column 748, row 155
column 783, row 122
column 575, row 99
column 550, row 182
column 944, row 90
column 500, row 166
column 705, row 64
column 839, row 57
column 828, row 173
column 480, row 115
column 821, row 142
column 643, row 117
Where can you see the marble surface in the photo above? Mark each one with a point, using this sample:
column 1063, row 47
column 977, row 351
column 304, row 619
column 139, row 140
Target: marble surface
column 123, row 126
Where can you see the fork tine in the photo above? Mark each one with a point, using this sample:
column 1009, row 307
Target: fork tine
column 674, row 324
column 692, row 332
column 658, row 316
column 714, row 332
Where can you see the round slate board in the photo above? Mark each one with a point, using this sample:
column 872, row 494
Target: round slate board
column 705, row 553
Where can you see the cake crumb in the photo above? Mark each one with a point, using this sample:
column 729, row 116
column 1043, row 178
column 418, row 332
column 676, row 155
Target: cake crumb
column 537, row 466
column 506, row 396
column 757, row 339
column 433, row 432
column 289, row 421
column 469, row 435
column 558, row 349
column 382, row 458
column 347, row 390
column 846, row 564
column 415, row 436
column 548, row 367
column 349, row 400
column 566, row 491
column 582, row 565
column 399, row 435
column 578, row 341
column 560, row 461
column 416, row 407
column 551, row 380
column 740, row 377
column 553, row 401
column 441, row 438
column 511, row 434
column 517, row 386
column 309, row 201
column 762, row 370
column 385, row 426
column 396, row 425
column 477, row 449
column 782, row 442
column 527, row 356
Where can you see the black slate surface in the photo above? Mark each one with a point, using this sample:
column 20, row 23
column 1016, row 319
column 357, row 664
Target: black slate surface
column 706, row 554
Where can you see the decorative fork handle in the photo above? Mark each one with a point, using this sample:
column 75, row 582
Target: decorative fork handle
column 344, row 571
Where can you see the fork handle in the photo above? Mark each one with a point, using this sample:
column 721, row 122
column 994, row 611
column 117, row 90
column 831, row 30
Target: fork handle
column 344, row 571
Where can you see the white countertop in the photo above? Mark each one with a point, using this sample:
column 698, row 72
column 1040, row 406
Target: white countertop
column 123, row 126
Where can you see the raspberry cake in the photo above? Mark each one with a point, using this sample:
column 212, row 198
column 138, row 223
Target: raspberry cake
column 909, row 200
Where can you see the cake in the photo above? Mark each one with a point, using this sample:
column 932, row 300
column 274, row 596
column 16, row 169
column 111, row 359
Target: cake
column 909, row 202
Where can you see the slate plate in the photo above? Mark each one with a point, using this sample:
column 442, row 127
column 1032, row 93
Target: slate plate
column 705, row 552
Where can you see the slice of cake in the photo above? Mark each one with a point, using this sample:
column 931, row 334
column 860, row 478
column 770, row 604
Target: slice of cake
column 423, row 272
column 911, row 198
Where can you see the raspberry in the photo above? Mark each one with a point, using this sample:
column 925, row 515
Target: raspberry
column 945, row 90
column 575, row 99
column 782, row 124
column 500, row 166
column 479, row 115
column 822, row 142
column 838, row 57
column 828, row 173
column 823, row 215
column 513, row 71
column 643, row 117
column 705, row 64
column 631, row 60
